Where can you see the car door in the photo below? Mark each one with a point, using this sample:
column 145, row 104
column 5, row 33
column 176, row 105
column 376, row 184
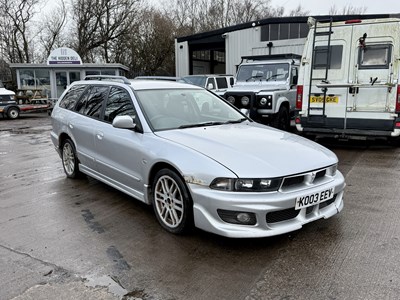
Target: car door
column 80, row 124
column 374, row 70
column 119, row 152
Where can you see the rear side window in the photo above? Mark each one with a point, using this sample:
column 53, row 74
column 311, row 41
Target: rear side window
column 374, row 57
column 72, row 96
column 321, row 57
column 92, row 102
column 222, row 83
column 119, row 103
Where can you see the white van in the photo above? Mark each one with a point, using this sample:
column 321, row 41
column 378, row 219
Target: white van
column 349, row 79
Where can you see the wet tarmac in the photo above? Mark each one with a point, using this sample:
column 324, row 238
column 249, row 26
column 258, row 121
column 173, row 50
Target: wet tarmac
column 80, row 239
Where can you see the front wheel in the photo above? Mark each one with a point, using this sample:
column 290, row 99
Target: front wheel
column 13, row 113
column 69, row 159
column 281, row 119
column 171, row 202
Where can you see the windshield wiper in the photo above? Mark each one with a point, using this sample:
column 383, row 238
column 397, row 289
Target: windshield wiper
column 211, row 123
column 255, row 76
column 235, row 121
column 273, row 76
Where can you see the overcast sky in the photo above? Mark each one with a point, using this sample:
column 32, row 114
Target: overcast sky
column 321, row 7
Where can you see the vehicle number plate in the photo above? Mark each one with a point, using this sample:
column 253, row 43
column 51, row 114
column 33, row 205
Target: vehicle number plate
column 320, row 99
column 312, row 199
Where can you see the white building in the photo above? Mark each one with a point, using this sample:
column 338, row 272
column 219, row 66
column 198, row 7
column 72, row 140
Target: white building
column 220, row 51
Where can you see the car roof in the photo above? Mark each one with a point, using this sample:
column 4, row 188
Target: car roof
column 140, row 84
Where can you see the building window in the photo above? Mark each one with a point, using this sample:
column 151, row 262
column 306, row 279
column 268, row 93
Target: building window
column 283, row 31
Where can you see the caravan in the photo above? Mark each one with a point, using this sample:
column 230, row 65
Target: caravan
column 349, row 79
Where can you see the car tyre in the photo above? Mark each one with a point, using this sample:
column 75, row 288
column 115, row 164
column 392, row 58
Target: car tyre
column 69, row 159
column 281, row 119
column 13, row 113
column 172, row 202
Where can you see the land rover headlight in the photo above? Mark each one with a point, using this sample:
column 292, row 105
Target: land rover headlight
column 246, row 184
column 263, row 101
column 231, row 99
column 245, row 100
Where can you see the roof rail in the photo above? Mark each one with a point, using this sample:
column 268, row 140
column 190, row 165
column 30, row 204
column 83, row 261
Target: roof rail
column 122, row 79
column 272, row 57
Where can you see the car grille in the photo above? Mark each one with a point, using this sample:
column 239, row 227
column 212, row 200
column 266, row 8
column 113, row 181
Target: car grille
column 291, row 213
column 301, row 181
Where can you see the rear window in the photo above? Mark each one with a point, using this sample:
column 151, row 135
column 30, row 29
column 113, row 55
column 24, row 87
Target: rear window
column 71, row 97
column 374, row 57
column 321, row 57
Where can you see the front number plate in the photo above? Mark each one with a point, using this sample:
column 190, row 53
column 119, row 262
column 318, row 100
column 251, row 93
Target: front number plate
column 312, row 199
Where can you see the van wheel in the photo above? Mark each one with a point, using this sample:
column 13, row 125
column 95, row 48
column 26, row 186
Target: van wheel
column 69, row 159
column 281, row 119
column 13, row 113
column 171, row 202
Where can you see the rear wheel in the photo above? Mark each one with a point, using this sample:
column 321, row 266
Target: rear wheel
column 13, row 113
column 69, row 159
column 171, row 202
column 281, row 119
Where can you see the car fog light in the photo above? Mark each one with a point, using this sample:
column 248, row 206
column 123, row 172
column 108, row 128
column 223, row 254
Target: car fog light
column 243, row 218
column 237, row 217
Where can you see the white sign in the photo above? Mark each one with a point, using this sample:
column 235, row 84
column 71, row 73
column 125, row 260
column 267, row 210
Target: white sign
column 64, row 56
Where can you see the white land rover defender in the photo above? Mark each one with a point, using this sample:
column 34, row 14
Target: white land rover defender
column 265, row 88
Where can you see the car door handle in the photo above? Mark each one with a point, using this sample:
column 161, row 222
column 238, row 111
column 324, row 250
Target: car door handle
column 71, row 126
column 99, row 135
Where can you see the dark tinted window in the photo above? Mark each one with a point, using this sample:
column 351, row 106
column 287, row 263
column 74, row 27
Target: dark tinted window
column 72, row 96
column 118, row 104
column 92, row 102
column 274, row 32
column 222, row 83
column 284, row 31
column 321, row 57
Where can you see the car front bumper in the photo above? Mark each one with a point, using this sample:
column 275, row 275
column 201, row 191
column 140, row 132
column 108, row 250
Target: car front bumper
column 286, row 219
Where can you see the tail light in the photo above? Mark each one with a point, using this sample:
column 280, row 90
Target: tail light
column 398, row 99
column 299, row 97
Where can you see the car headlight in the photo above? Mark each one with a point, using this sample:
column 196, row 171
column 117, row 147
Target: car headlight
column 245, row 100
column 246, row 184
column 332, row 170
column 263, row 101
column 231, row 99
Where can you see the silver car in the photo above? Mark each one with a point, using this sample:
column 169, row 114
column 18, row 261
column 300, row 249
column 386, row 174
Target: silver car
column 195, row 158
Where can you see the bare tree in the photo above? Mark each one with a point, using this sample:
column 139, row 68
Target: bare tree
column 50, row 29
column 15, row 18
column 99, row 22
column 347, row 10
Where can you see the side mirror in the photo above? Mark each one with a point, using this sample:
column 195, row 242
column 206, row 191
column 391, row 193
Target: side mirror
column 124, row 122
column 231, row 81
column 210, row 86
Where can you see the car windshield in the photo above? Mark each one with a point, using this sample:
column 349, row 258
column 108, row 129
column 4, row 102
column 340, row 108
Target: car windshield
column 196, row 80
column 263, row 72
column 183, row 108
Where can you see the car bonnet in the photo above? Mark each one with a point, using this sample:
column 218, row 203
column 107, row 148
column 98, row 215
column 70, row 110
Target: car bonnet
column 254, row 151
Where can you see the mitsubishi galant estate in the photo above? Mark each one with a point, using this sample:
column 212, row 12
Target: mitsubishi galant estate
column 195, row 158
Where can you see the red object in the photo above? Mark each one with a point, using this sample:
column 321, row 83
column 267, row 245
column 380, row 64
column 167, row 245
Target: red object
column 398, row 99
column 352, row 21
column 299, row 97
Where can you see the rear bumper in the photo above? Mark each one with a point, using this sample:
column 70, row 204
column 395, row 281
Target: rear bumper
column 349, row 127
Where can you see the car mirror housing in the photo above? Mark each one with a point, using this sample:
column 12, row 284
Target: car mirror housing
column 124, row 122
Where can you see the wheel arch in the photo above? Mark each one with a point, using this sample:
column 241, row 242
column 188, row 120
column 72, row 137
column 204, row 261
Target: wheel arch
column 152, row 174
